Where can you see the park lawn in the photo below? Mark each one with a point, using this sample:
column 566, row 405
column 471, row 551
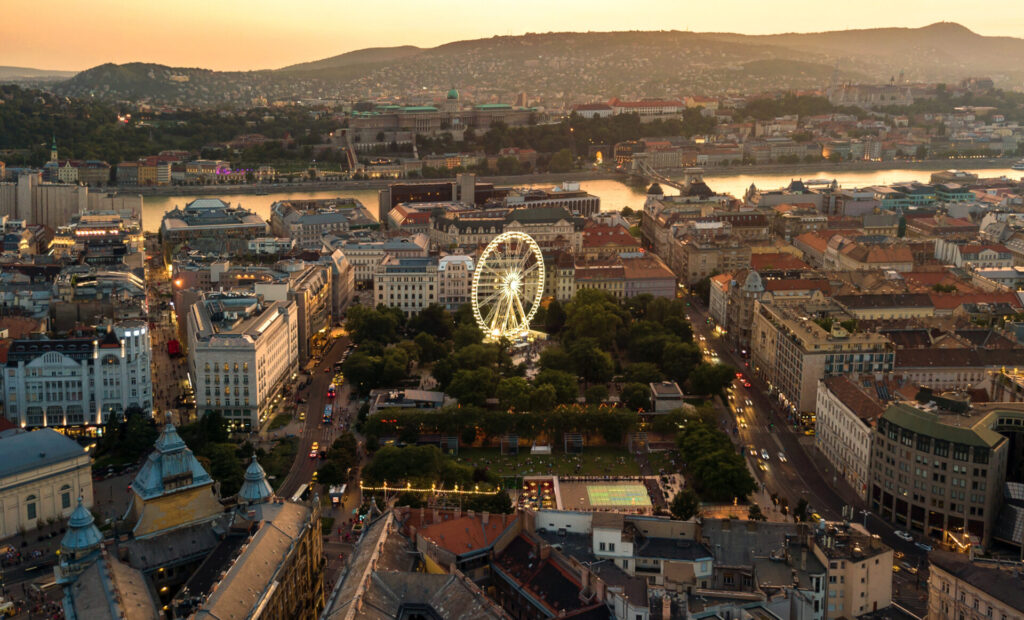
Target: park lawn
column 279, row 460
column 281, row 420
column 592, row 462
column 663, row 460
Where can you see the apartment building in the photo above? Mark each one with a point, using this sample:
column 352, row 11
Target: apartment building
column 409, row 284
column 859, row 572
column 241, row 352
column 844, row 429
column 309, row 286
column 454, row 280
column 939, row 468
column 792, row 349
column 365, row 255
column 699, row 253
column 79, row 381
column 961, row 588
column 307, row 221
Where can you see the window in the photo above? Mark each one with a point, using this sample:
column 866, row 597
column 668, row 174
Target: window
column 601, row 546
column 611, row 546
column 65, row 496
column 30, row 507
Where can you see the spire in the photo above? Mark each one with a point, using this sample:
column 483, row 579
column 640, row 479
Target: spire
column 53, row 148
column 82, row 535
column 170, row 440
column 255, row 489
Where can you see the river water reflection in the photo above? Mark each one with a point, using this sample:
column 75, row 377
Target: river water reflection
column 614, row 194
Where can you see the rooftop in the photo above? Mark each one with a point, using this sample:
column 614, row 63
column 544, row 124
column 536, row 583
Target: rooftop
column 27, row 451
column 1005, row 586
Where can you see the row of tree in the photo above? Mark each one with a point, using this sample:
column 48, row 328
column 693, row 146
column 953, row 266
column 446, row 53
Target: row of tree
column 471, row 423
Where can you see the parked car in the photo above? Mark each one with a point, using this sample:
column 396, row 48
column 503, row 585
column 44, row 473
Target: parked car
column 923, row 546
column 903, row 535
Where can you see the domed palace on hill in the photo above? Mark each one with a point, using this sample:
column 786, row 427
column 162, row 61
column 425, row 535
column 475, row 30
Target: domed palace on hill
column 449, row 114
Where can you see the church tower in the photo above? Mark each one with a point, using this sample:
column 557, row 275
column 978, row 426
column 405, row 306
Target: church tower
column 53, row 149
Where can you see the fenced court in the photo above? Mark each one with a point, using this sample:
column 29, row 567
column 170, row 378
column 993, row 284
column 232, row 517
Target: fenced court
column 620, row 494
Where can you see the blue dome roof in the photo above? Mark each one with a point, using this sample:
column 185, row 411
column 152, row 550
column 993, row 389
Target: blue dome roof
column 255, row 489
column 82, row 534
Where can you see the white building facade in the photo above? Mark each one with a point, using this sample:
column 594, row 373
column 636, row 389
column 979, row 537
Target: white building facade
column 843, row 432
column 79, row 381
column 454, row 281
column 409, row 284
column 241, row 353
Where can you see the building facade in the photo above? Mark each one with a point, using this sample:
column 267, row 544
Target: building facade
column 844, row 429
column 42, row 475
column 79, row 382
column 241, row 353
column 941, row 473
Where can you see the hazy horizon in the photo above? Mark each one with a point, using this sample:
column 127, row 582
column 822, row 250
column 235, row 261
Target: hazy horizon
column 235, row 36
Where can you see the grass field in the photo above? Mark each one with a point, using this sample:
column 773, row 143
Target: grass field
column 663, row 460
column 618, row 495
column 592, row 462
column 280, row 421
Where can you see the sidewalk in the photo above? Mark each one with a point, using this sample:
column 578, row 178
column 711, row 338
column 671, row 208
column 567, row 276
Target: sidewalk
column 827, row 472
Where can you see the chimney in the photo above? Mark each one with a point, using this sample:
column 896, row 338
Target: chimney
column 485, row 517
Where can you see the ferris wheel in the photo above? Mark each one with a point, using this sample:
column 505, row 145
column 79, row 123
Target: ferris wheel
column 508, row 284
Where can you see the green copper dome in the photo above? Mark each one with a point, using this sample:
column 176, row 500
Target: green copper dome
column 453, row 94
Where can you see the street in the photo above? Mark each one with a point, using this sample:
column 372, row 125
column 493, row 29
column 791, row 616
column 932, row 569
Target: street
column 805, row 474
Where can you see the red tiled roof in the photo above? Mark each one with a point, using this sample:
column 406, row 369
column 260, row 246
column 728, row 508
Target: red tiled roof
column 856, row 400
column 465, row 534
column 776, row 260
column 599, row 235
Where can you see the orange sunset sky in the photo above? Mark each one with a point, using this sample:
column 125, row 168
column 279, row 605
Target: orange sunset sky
column 263, row 34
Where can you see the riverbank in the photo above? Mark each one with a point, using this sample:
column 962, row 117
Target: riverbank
column 796, row 170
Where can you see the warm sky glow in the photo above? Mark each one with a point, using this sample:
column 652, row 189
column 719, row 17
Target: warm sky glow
column 261, row 34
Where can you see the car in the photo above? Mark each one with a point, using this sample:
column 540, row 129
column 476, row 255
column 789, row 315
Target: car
column 923, row 546
column 316, row 446
column 743, row 423
column 903, row 535
column 762, row 465
column 750, row 403
column 313, row 454
column 899, row 555
column 327, row 370
column 315, row 475
column 753, row 451
column 746, row 384
column 782, row 457
column 302, row 416
column 895, row 568
column 765, row 455
column 815, row 517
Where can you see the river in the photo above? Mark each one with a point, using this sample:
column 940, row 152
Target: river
column 614, row 194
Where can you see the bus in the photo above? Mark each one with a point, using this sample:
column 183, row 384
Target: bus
column 302, row 491
column 332, row 391
column 328, row 414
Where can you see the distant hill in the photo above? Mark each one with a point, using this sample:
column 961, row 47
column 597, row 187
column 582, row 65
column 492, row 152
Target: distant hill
column 16, row 73
column 370, row 55
column 569, row 67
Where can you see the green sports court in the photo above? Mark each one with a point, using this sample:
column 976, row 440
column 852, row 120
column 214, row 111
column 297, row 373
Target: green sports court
column 618, row 494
